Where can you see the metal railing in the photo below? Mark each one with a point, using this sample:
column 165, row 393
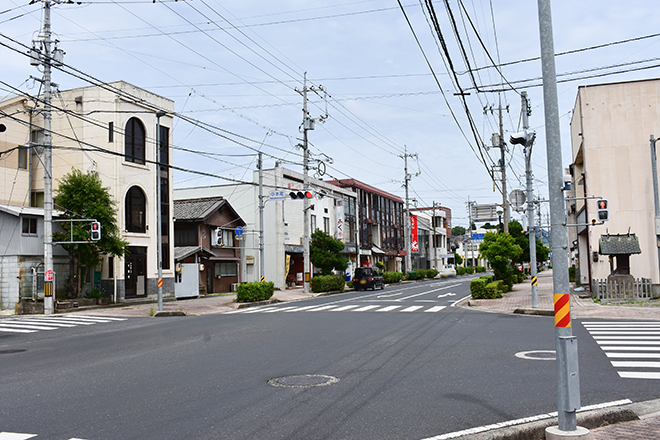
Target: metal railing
column 621, row 290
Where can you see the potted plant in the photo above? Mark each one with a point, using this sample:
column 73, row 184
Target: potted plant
column 96, row 293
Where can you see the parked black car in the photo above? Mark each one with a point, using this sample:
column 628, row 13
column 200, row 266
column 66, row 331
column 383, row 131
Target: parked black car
column 368, row 277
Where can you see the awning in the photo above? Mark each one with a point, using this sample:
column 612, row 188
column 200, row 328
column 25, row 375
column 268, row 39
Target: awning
column 376, row 250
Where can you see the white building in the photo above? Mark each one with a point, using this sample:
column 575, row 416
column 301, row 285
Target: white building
column 331, row 212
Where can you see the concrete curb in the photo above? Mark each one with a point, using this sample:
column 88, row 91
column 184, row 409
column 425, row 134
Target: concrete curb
column 588, row 419
column 170, row 313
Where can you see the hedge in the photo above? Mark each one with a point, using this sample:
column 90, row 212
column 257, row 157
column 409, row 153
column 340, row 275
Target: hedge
column 327, row 283
column 460, row 270
column 416, row 275
column 431, row 273
column 478, row 287
column 392, row 277
column 495, row 289
column 249, row 292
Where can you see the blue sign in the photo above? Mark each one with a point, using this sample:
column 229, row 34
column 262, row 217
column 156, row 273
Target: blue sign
column 239, row 230
column 277, row 195
column 478, row 237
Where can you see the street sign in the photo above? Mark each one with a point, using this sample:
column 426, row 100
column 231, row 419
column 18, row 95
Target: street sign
column 478, row 238
column 48, row 276
column 517, row 199
column 239, row 230
column 277, row 195
column 484, row 213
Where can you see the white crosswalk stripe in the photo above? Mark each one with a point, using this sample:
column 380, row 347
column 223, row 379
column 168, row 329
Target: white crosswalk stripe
column 38, row 323
column 22, row 436
column 339, row 308
column 633, row 347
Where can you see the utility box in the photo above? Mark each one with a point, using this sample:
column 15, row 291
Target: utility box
column 568, row 345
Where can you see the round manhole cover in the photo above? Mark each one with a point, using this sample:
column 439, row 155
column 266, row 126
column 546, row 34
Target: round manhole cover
column 538, row 355
column 303, row 381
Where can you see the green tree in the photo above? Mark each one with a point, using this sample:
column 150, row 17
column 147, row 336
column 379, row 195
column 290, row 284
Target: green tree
column 325, row 253
column 522, row 240
column 500, row 250
column 458, row 260
column 457, row 230
column 82, row 196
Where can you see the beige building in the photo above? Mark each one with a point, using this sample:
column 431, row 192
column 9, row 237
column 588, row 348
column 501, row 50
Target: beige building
column 610, row 130
column 110, row 130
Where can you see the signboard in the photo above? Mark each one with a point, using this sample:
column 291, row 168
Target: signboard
column 339, row 211
column 48, row 276
column 414, row 243
column 277, row 195
column 484, row 213
column 478, row 238
column 239, row 230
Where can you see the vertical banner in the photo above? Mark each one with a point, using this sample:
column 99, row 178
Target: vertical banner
column 414, row 244
column 339, row 211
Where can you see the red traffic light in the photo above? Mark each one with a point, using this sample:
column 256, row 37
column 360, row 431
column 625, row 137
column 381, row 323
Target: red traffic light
column 295, row 195
column 309, row 194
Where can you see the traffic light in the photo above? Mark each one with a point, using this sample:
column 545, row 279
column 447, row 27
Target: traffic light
column 217, row 237
column 95, row 231
column 603, row 210
column 295, row 195
column 524, row 138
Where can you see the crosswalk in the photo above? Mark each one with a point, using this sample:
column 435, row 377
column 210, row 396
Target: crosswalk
column 632, row 347
column 339, row 307
column 22, row 436
column 52, row 322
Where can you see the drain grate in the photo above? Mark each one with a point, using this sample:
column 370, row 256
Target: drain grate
column 303, row 381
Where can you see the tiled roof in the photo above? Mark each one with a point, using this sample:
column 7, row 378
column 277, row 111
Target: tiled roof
column 196, row 209
column 620, row 244
column 182, row 252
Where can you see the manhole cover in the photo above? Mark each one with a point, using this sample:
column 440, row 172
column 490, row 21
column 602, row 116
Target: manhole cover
column 303, row 381
column 538, row 355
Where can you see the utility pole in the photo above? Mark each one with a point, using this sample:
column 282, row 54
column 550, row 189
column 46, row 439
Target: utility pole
column 159, row 213
column 44, row 57
column 470, row 227
column 308, row 124
column 407, row 216
column 568, row 381
column 505, row 202
column 261, row 220
column 526, row 112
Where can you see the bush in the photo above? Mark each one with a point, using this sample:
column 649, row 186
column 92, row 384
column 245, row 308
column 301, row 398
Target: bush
column 416, row 275
column 495, row 289
column 571, row 274
column 460, row 270
column 349, row 284
column 486, row 288
column 249, row 292
column 380, row 265
column 478, row 288
column 431, row 273
column 327, row 283
column 469, row 270
column 392, row 277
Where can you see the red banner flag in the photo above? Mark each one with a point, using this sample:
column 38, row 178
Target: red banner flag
column 414, row 244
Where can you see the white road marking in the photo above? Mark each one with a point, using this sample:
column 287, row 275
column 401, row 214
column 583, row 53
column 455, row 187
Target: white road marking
column 411, row 309
column 388, row 308
column 434, row 309
column 365, row 308
column 343, row 308
column 638, row 375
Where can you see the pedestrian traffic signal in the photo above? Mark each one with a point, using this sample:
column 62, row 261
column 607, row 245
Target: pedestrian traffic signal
column 95, row 231
column 295, row 195
column 602, row 210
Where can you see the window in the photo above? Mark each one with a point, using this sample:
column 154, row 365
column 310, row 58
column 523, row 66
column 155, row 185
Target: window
column 111, row 131
column 185, row 237
column 22, row 158
column 29, row 226
column 326, row 225
column 225, row 269
column 135, row 210
column 135, row 141
column 228, row 237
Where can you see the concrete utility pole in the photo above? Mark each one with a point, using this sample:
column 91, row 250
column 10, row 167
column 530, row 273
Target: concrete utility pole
column 405, row 157
column 526, row 112
column 262, row 275
column 470, row 227
column 568, row 381
column 505, row 201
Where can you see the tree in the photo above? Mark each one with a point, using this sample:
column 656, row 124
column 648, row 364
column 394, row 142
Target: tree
column 325, row 253
column 457, row 230
column 522, row 240
column 500, row 250
column 82, row 196
column 458, row 260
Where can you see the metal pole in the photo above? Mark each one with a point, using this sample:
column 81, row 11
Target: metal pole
column 261, row 219
column 407, row 219
column 159, row 220
column 306, row 262
column 505, row 202
column 49, row 303
column 530, row 205
column 568, row 393
column 654, row 167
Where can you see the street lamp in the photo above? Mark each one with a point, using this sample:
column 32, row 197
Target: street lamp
column 499, row 217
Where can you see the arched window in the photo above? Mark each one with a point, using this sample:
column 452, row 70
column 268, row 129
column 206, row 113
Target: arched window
column 135, row 141
column 135, row 210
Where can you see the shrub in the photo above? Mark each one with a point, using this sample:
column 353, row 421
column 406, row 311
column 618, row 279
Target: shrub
column 392, row 277
column 478, row 288
column 349, row 284
column 431, row 273
column 469, row 270
column 327, row 283
column 495, row 289
column 460, row 270
column 416, row 275
column 248, row 292
column 380, row 265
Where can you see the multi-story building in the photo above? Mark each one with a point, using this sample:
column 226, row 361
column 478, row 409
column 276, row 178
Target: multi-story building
column 332, row 210
column 436, row 222
column 380, row 222
column 610, row 130
column 109, row 130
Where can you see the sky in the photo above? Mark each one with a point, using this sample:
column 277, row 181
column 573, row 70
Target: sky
column 386, row 77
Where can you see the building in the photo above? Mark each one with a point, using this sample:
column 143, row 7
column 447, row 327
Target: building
column 207, row 236
column 109, row 129
column 610, row 130
column 381, row 228
column 332, row 210
column 435, row 222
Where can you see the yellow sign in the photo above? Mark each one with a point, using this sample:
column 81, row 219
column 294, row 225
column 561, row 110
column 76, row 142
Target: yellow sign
column 48, row 288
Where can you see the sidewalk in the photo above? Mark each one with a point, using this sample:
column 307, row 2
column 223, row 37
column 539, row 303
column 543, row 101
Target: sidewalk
column 520, row 301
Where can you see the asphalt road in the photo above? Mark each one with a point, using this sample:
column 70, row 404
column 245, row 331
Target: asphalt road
column 409, row 365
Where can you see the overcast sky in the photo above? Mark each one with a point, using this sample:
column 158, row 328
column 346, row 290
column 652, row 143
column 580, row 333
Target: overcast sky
column 237, row 65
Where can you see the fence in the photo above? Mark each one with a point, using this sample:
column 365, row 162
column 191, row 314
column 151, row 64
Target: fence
column 621, row 290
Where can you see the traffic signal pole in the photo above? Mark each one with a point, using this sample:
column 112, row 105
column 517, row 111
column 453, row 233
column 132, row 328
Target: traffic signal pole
column 568, row 383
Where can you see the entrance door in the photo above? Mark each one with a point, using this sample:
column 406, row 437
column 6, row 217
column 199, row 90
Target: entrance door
column 135, row 271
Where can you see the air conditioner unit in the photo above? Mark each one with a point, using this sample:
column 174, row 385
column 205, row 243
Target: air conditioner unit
column 234, row 287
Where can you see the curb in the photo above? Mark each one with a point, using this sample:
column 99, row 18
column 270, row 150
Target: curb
column 169, row 313
column 534, row 312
